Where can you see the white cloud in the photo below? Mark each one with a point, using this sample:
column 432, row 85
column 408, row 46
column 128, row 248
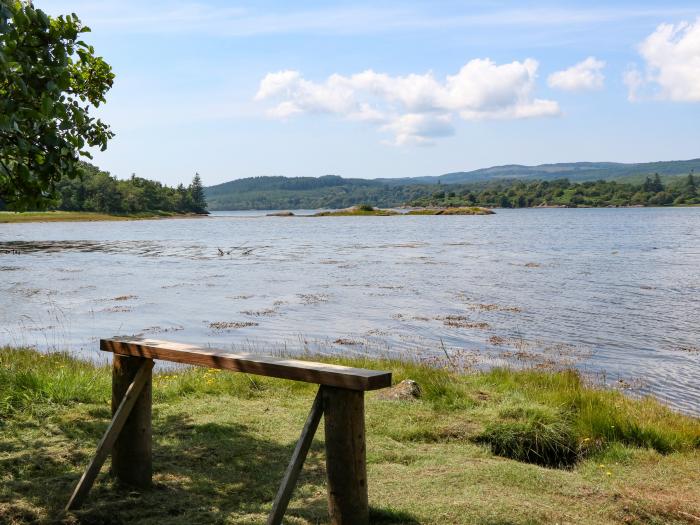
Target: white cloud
column 415, row 108
column 419, row 129
column 634, row 81
column 586, row 75
column 672, row 64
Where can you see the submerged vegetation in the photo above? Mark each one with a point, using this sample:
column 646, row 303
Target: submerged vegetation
column 222, row 440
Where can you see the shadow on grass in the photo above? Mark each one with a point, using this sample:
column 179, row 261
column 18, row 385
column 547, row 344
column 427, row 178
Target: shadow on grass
column 388, row 516
column 203, row 473
column 213, row 472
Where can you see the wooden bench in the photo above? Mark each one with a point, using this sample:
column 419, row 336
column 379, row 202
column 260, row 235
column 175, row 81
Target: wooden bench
column 340, row 399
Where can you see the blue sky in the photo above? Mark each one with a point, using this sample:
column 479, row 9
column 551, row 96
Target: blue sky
column 391, row 89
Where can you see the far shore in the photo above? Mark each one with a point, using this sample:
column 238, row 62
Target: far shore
column 85, row 216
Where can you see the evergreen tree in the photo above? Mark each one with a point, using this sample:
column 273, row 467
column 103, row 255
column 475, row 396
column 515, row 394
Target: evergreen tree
column 199, row 201
column 690, row 187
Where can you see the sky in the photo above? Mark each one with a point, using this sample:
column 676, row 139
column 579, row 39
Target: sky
column 391, row 89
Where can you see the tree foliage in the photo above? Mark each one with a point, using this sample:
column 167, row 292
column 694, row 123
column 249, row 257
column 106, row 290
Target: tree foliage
column 196, row 190
column 98, row 191
column 562, row 192
column 49, row 82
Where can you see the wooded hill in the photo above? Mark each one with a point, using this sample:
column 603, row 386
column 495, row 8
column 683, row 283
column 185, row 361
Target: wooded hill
column 332, row 191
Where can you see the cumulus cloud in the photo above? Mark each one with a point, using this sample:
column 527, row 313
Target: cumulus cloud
column 415, row 108
column 586, row 75
column 672, row 64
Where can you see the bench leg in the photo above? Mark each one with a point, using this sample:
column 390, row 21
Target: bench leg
column 131, row 454
column 121, row 414
column 279, row 507
column 344, row 420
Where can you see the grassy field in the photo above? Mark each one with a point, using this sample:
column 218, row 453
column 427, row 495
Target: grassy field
column 499, row 447
column 67, row 216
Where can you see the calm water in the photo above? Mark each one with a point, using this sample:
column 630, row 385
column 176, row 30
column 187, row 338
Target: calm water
column 613, row 291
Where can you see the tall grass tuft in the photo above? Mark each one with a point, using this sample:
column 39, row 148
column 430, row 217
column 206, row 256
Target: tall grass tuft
column 534, row 434
column 30, row 380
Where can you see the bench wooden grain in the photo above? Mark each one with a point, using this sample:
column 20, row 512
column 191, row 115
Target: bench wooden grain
column 340, row 400
column 307, row 371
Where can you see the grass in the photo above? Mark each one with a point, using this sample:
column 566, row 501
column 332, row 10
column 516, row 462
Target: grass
column 222, row 441
column 68, row 216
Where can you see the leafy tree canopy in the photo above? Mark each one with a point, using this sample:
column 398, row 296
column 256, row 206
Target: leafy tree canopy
column 49, row 79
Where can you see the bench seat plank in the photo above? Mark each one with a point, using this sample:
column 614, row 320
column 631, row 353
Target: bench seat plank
column 307, row 371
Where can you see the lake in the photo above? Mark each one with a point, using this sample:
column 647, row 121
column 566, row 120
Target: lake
column 614, row 292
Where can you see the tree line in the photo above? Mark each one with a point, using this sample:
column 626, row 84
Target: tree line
column 562, row 192
column 97, row 191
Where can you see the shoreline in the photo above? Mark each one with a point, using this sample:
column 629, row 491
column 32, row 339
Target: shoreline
column 11, row 217
column 281, row 211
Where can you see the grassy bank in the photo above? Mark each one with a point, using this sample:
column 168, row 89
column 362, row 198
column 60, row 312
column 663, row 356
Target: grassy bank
column 222, row 441
column 70, row 216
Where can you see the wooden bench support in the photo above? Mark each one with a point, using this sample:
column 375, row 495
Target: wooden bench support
column 125, row 407
column 344, row 420
column 289, row 481
column 131, row 454
column 340, row 400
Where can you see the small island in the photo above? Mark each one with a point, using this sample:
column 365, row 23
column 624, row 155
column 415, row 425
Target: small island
column 462, row 210
column 366, row 209
column 362, row 209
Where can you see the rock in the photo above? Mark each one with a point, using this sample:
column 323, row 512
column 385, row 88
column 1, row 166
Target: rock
column 281, row 214
column 406, row 390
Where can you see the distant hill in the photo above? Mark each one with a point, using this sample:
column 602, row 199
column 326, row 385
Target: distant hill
column 332, row 191
column 574, row 171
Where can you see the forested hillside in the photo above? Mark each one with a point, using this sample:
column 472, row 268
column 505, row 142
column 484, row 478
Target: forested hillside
column 574, row 171
column 308, row 192
column 677, row 191
column 333, row 191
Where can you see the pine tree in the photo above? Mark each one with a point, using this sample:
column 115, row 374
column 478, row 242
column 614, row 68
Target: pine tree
column 198, row 200
column 690, row 187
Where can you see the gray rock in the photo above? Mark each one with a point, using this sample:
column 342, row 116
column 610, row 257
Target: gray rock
column 406, row 390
